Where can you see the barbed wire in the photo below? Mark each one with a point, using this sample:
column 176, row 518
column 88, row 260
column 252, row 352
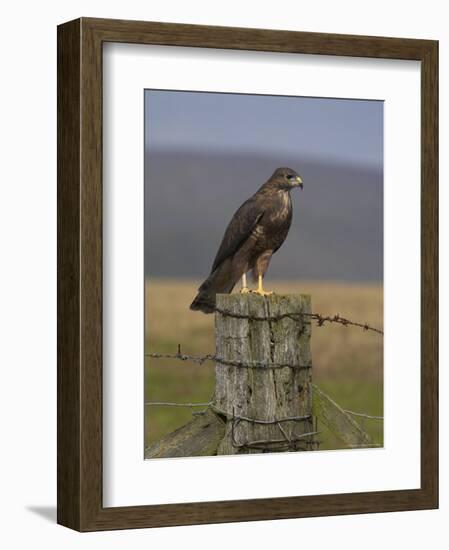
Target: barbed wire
column 225, row 362
column 182, row 356
column 320, row 319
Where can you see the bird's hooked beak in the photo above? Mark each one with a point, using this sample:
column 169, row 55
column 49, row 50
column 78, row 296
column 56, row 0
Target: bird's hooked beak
column 299, row 182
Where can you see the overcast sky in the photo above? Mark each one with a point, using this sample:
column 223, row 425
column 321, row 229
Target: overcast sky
column 346, row 131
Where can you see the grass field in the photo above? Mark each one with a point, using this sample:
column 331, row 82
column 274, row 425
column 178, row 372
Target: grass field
column 347, row 362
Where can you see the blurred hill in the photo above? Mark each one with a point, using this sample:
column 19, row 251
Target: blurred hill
column 190, row 196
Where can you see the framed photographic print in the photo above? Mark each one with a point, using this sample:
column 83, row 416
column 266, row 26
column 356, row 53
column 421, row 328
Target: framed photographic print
column 247, row 274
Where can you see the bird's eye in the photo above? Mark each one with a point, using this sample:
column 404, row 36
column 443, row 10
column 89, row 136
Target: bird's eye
column 289, row 177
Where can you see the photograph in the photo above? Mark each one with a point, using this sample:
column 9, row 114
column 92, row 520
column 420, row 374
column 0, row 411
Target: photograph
column 263, row 264
column 247, row 260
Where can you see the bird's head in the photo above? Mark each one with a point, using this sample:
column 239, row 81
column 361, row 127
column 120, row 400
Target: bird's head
column 286, row 178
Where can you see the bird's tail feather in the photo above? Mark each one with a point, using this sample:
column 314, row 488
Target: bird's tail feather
column 218, row 282
column 204, row 302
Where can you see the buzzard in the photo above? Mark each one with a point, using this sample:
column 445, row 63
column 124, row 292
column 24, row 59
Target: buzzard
column 255, row 232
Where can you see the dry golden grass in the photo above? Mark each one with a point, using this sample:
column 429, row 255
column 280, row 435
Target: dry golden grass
column 170, row 322
column 347, row 362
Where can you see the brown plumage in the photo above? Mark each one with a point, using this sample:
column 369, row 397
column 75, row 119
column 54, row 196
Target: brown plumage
column 255, row 232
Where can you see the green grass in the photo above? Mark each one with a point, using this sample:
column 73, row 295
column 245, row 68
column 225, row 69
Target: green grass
column 167, row 381
column 355, row 396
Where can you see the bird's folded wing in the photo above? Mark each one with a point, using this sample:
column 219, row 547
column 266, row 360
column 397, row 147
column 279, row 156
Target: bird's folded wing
column 239, row 229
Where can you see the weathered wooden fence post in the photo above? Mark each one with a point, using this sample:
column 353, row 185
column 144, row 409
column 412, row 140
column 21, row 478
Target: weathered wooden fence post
column 263, row 373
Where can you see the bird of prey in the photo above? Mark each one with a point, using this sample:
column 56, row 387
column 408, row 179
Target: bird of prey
column 255, row 232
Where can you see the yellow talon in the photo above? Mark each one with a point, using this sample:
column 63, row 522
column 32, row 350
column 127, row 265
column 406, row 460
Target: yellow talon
column 260, row 289
column 262, row 292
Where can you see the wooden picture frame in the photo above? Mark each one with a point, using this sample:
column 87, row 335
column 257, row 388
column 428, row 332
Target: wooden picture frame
column 80, row 503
